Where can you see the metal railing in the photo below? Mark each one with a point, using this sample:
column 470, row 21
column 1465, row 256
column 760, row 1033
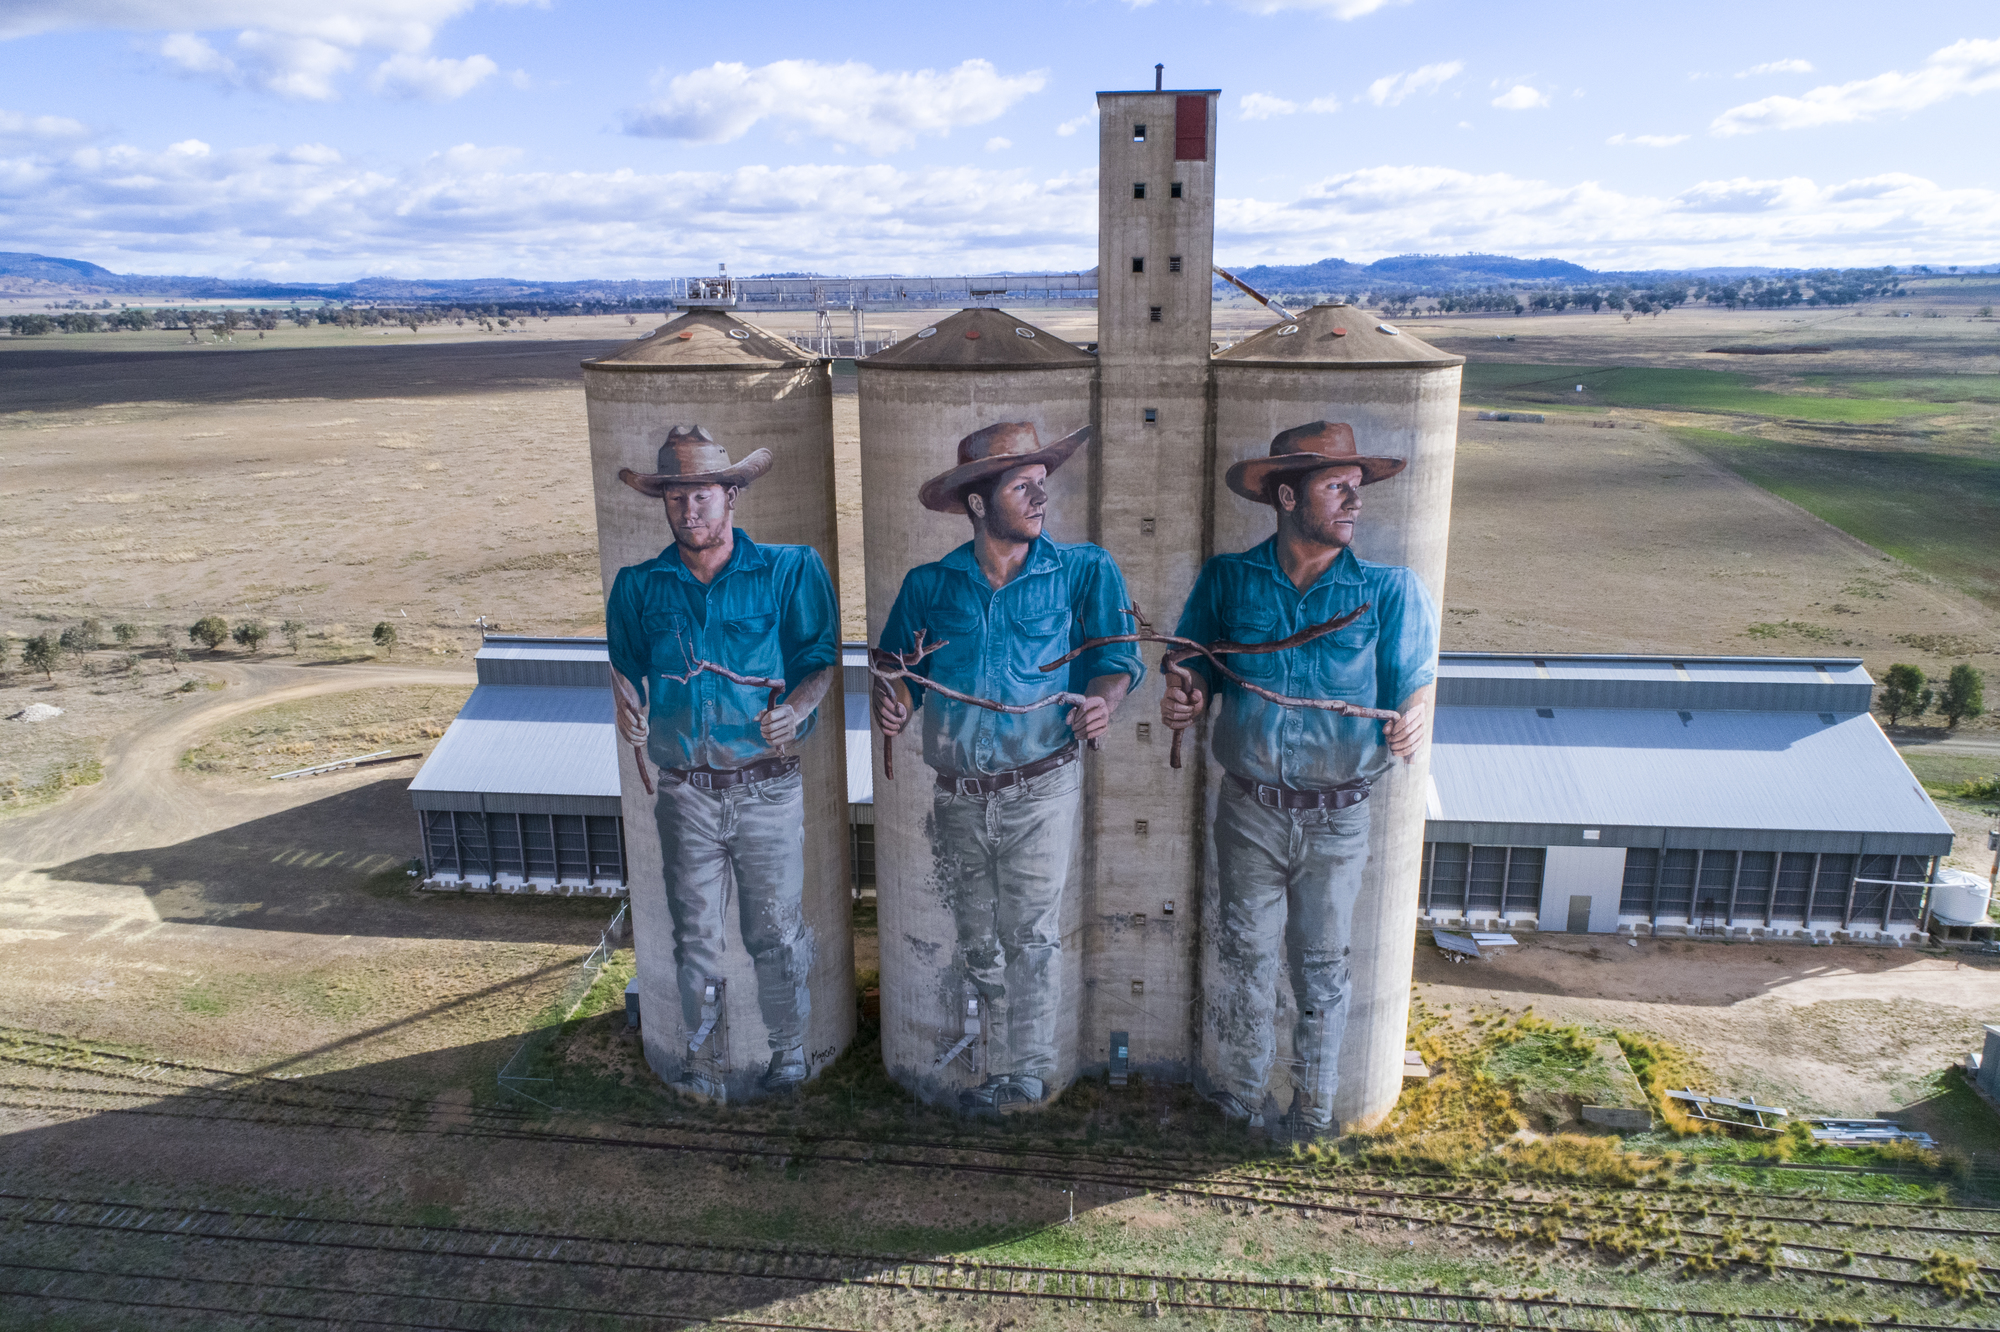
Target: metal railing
column 573, row 994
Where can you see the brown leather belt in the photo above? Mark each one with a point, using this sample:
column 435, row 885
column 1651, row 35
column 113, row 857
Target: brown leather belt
column 1000, row 781
column 721, row 779
column 1284, row 797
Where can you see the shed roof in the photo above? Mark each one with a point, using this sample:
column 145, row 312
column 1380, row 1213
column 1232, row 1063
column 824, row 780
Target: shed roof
column 522, row 740
column 575, row 662
column 1335, row 337
column 1802, row 684
column 704, row 340
column 1640, row 768
column 980, row 339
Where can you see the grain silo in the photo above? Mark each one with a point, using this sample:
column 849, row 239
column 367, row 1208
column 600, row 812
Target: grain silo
column 973, row 370
column 726, row 391
column 1333, row 382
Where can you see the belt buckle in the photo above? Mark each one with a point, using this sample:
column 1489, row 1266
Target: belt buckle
column 966, row 786
column 701, row 781
column 1270, row 796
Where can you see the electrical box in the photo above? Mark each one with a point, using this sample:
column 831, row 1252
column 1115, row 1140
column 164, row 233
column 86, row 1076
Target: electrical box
column 632, row 1004
column 1121, row 1057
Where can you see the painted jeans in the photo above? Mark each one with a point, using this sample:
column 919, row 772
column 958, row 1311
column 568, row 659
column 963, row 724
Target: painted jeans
column 749, row 840
column 1002, row 861
column 1284, row 878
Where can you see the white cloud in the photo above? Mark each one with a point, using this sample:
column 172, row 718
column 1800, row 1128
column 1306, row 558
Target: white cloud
column 1262, row 106
column 1521, row 97
column 998, row 144
column 1393, row 88
column 1340, row 9
column 14, row 125
column 1649, row 140
column 294, row 48
column 1963, row 69
column 431, row 78
column 1075, row 123
column 849, row 103
column 1366, row 214
column 1777, row 67
column 1324, row 106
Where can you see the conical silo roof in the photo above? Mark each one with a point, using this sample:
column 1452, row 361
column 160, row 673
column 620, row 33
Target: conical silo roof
column 1334, row 336
column 705, row 340
column 980, row 339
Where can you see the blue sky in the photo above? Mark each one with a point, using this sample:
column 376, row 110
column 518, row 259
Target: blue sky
column 331, row 139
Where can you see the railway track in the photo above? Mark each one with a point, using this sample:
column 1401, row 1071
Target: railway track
column 778, row 1271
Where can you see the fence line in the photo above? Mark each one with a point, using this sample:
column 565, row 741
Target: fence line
column 569, row 1001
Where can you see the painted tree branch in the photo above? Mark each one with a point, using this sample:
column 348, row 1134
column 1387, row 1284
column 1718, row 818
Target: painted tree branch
column 1182, row 649
column 889, row 667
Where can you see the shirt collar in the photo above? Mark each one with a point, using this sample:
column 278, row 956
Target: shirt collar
column 1346, row 568
column 1042, row 557
column 745, row 555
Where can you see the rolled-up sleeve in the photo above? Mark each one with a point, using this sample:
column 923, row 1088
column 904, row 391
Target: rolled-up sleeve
column 624, row 632
column 1200, row 623
column 809, row 620
column 1101, row 602
column 899, row 632
column 1406, row 659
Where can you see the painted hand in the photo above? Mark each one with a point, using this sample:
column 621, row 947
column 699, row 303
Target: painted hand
column 1407, row 732
column 890, row 714
column 631, row 713
column 780, row 725
column 1090, row 718
column 1182, row 701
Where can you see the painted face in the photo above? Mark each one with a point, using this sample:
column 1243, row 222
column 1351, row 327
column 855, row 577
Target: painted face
column 1020, row 503
column 700, row 515
column 1325, row 504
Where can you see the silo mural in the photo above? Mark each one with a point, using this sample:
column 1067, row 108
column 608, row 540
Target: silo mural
column 712, row 458
column 1335, row 438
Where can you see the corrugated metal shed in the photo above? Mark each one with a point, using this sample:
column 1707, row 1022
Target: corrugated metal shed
column 577, row 663
column 1745, row 780
column 528, row 750
column 1827, row 684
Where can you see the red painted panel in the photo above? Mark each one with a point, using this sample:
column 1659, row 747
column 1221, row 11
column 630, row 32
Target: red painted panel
column 1190, row 129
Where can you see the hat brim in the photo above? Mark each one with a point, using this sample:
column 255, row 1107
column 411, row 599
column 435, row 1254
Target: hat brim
column 940, row 493
column 1250, row 477
column 738, row 474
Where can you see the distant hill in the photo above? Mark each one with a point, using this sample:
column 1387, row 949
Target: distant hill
column 1422, row 271
column 46, row 269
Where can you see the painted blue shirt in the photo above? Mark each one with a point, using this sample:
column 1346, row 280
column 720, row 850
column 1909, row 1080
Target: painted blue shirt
column 1376, row 662
column 770, row 612
column 998, row 638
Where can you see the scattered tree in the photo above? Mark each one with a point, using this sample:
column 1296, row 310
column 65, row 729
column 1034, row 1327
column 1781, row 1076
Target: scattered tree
column 385, row 637
column 292, row 631
column 250, row 634
column 1904, row 691
column 42, row 653
column 174, row 655
column 209, row 631
column 126, row 633
column 78, row 639
column 1963, row 695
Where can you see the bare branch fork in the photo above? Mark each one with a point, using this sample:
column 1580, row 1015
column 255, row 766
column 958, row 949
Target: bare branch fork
column 1184, row 648
column 889, row 666
column 695, row 667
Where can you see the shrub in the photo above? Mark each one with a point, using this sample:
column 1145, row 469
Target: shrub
column 41, row 654
column 385, row 637
column 1903, row 691
column 292, row 631
column 125, row 632
column 78, row 639
column 209, row 631
column 250, row 634
column 1963, row 695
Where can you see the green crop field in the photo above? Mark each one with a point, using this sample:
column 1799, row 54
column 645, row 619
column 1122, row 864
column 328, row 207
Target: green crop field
column 1936, row 512
column 1931, row 388
column 1723, row 391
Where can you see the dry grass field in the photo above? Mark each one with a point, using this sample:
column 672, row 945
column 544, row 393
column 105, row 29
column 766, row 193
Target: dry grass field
column 219, row 989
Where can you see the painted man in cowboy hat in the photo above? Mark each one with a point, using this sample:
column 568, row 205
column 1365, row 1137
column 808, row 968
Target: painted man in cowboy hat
column 730, row 803
column 1291, row 824
column 1004, row 812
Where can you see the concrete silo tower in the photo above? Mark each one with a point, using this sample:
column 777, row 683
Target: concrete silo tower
column 969, row 371
column 745, row 391
column 1155, row 249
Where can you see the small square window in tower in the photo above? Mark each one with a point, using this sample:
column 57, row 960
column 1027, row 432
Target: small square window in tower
column 1152, row 314
column 1173, row 263
column 1190, row 129
column 1138, row 134
column 1174, row 189
column 1138, row 189
column 1152, row 416
column 1138, row 265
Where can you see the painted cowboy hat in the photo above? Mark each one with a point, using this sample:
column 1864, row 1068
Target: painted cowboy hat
column 1303, row 449
column 989, row 452
column 690, row 457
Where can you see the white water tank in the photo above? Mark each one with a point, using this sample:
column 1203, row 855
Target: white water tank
column 1959, row 898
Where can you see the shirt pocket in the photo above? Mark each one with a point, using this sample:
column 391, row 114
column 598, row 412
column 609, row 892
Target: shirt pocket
column 667, row 640
column 1253, row 624
column 751, row 639
column 1344, row 667
column 1040, row 637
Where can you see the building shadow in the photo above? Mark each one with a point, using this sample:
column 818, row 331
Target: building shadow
column 330, row 866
